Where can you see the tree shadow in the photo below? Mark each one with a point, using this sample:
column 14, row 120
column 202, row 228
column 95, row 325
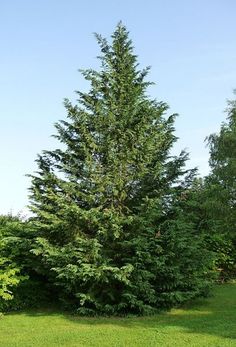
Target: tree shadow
column 213, row 316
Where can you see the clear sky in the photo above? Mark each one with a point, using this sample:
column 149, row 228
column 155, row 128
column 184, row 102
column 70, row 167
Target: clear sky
column 191, row 46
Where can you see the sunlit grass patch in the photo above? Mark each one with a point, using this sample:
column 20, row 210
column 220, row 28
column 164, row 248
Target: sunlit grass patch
column 205, row 323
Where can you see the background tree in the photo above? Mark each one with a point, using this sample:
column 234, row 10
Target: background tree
column 22, row 283
column 221, row 192
column 10, row 271
column 109, row 216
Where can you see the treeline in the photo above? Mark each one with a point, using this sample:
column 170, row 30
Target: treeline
column 119, row 225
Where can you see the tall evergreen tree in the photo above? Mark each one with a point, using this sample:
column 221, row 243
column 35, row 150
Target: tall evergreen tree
column 108, row 205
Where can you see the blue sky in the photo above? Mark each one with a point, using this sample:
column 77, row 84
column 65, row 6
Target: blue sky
column 191, row 46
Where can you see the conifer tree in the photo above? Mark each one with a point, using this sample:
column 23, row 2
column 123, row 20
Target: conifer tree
column 111, row 234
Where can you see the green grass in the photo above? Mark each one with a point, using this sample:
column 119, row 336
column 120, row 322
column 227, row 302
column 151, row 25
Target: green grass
column 209, row 322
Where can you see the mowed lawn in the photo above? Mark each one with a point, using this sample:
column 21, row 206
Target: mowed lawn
column 209, row 322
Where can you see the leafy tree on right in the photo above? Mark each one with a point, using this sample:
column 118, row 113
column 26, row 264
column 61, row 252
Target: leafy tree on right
column 220, row 194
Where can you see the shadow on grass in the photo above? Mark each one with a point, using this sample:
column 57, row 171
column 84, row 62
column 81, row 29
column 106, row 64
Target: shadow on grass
column 214, row 316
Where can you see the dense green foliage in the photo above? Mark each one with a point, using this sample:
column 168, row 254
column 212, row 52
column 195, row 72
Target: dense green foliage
column 112, row 234
column 21, row 284
column 119, row 225
column 211, row 200
column 10, row 275
column 203, row 323
column 221, row 193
